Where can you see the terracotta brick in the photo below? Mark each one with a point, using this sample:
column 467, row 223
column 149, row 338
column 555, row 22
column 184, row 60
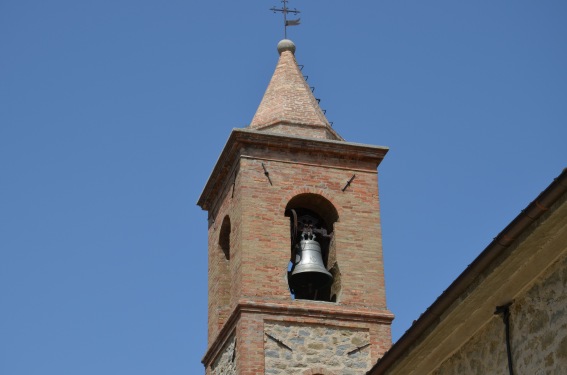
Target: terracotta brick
column 251, row 287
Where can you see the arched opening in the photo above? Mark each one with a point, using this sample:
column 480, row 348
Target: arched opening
column 221, row 271
column 313, row 270
column 317, row 371
column 224, row 237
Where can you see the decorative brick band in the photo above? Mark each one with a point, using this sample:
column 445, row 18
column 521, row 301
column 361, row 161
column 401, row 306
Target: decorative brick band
column 318, row 371
column 366, row 170
column 318, row 310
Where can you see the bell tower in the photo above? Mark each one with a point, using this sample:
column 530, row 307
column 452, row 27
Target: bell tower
column 296, row 282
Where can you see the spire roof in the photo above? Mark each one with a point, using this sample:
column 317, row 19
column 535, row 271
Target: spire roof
column 288, row 105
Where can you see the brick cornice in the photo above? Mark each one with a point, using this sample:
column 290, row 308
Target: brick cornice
column 296, row 309
column 316, row 309
column 247, row 137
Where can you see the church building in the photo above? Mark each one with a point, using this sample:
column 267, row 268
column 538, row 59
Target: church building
column 296, row 281
column 506, row 313
column 296, row 278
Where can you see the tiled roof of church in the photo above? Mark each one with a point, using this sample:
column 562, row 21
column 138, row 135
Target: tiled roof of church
column 288, row 105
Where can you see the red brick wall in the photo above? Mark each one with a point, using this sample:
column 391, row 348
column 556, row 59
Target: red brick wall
column 265, row 229
column 260, row 246
column 224, row 276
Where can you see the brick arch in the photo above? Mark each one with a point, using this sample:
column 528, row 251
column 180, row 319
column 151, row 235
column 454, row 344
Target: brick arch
column 219, row 261
column 317, row 371
column 314, row 202
column 306, row 190
column 224, row 237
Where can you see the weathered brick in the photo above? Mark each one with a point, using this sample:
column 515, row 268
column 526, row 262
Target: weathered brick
column 249, row 291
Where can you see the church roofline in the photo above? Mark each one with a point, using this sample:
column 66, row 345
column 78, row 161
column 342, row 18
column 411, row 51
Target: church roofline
column 424, row 325
column 239, row 137
column 275, row 122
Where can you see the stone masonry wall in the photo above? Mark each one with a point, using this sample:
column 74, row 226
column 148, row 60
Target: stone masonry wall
column 225, row 364
column 293, row 349
column 538, row 334
column 485, row 353
column 539, row 325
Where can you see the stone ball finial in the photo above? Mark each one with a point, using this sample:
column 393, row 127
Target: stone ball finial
column 286, row 45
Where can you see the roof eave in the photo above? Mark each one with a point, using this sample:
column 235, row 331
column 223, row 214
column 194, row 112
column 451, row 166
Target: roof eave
column 500, row 243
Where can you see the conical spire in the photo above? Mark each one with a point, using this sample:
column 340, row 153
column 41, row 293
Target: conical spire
column 288, row 105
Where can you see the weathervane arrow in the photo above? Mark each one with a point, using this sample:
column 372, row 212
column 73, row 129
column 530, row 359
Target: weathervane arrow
column 292, row 22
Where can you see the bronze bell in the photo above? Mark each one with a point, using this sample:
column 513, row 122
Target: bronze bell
column 308, row 271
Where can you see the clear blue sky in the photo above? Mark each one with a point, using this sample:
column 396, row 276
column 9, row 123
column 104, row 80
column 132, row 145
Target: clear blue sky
column 113, row 113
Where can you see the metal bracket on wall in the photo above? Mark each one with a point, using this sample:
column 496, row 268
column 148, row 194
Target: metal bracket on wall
column 349, row 182
column 504, row 310
column 267, row 174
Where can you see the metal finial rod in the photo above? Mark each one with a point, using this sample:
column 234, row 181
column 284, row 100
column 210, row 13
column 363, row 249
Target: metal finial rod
column 285, row 10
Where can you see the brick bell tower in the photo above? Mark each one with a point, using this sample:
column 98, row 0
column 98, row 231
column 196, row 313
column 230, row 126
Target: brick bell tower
column 296, row 282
